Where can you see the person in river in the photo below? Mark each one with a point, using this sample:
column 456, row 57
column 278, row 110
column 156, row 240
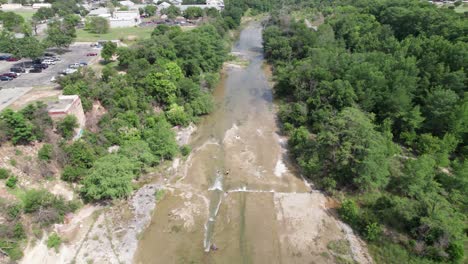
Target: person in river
column 227, row 172
column 214, row 247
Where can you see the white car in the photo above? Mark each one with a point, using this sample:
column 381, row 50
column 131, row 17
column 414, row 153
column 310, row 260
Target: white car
column 49, row 62
column 74, row 66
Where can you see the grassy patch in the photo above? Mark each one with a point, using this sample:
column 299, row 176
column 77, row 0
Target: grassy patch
column 26, row 14
column 462, row 8
column 386, row 252
column 340, row 247
column 159, row 194
column 124, row 34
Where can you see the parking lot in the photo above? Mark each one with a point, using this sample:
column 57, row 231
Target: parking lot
column 12, row 90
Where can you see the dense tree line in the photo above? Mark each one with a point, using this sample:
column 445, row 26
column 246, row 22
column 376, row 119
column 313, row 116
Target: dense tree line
column 375, row 105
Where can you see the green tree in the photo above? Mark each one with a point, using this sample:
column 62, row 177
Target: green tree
column 193, row 12
column 97, row 25
column 19, row 129
column 66, row 126
column 150, row 10
column 54, row 241
column 171, row 12
column 45, row 153
column 108, row 50
column 110, row 178
column 59, row 34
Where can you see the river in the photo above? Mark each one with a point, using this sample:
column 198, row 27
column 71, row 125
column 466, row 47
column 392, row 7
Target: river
column 236, row 199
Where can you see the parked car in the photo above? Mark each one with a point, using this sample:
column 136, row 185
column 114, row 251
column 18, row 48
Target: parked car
column 12, row 59
column 49, row 62
column 74, row 66
column 17, row 70
column 35, row 70
column 69, row 71
column 83, row 63
column 10, row 74
column 4, row 57
column 40, row 66
column 5, row 78
column 48, row 54
column 91, row 54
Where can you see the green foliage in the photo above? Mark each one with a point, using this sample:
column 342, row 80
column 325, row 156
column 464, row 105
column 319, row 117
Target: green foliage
column 110, row 178
column 46, row 152
column 54, row 241
column 97, row 25
column 66, row 126
column 140, row 152
column 185, row 150
column 349, row 211
column 193, row 12
column 20, row 131
column 108, row 50
column 4, row 173
column 46, row 208
column 375, row 106
column 60, row 34
column 11, row 182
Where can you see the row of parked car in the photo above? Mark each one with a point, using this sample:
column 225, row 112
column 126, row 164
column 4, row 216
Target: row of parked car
column 35, row 66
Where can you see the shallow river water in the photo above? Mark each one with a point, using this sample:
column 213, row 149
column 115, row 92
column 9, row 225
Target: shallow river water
column 235, row 199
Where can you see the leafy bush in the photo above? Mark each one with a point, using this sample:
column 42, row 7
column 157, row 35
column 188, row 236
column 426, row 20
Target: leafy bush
column 54, row 241
column 46, row 207
column 66, row 127
column 185, row 150
column 372, row 231
column 4, row 173
column 349, row 211
column 45, row 153
column 110, row 178
column 11, row 182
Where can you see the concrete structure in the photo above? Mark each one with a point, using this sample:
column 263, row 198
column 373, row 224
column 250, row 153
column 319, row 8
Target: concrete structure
column 163, row 5
column 102, row 12
column 118, row 19
column 68, row 105
column 37, row 6
column 125, row 19
column 128, row 4
column 11, row 6
column 218, row 4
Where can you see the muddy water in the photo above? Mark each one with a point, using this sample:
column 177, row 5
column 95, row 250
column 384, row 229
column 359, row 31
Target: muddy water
column 222, row 206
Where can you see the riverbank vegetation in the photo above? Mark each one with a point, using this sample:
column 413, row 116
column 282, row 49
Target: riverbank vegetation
column 132, row 106
column 375, row 104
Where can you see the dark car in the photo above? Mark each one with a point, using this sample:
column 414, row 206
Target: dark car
column 4, row 57
column 91, row 54
column 10, row 74
column 12, row 59
column 5, row 78
column 40, row 66
column 18, row 70
column 35, row 70
column 37, row 61
column 48, row 54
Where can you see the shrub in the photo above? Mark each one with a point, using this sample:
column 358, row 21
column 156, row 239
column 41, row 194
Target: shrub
column 349, row 212
column 185, row 150
column 66, row 126
column 11, row 182
column 45, row 153
column 110, row 178
column 372, row 231
column 4, row 173
column 73, row 174
column 46, row 207
column 14, row 211
column 18, row 231
column 54, row 241
column 13, row 162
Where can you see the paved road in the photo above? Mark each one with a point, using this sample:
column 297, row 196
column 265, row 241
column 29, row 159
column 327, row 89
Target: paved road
column 12, row 90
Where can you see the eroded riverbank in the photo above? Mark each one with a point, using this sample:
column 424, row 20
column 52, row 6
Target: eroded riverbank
column 236, row 199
